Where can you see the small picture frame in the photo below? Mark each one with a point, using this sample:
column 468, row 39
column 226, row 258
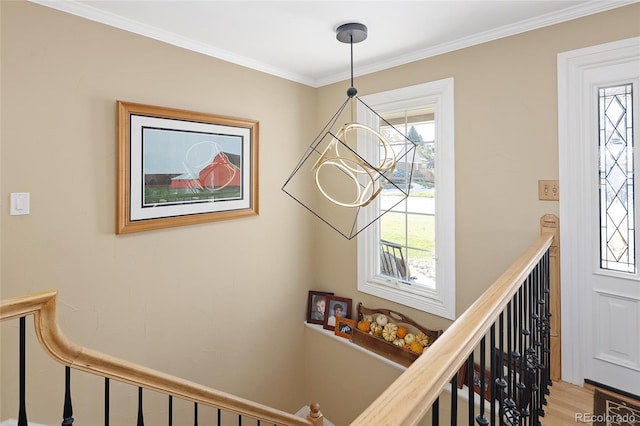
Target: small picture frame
column 336, row 307
column 316, row 306
column 463, row 379
column 476, row 382
column 344, row 327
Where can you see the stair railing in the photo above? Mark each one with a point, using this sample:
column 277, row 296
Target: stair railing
column 514, row 379
column 43, row 308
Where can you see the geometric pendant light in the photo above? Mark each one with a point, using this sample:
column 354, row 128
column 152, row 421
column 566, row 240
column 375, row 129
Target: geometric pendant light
column 349, row 164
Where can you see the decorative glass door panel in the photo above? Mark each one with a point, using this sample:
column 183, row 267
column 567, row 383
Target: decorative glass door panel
column 617, row 209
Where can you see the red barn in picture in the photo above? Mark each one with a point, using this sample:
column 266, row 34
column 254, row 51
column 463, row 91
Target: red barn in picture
column 220, row 173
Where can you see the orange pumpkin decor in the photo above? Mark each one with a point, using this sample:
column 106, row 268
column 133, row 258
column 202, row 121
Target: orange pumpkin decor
column 416, row 347
column 402, row 331
column 391, row 334
column 364, row 326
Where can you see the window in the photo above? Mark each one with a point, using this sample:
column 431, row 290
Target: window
column 617, row 210
column 408, row 255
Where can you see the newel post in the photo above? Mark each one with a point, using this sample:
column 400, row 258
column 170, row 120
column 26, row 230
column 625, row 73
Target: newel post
column 315, row 416
column 550, row 223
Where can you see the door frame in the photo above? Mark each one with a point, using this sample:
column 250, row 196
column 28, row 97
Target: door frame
column 572, row 161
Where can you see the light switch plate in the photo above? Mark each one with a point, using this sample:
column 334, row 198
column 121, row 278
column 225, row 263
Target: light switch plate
column 548, row 190
column 20, row 203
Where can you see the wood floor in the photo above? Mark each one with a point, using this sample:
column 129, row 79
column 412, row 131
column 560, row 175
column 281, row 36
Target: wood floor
column 568, row 405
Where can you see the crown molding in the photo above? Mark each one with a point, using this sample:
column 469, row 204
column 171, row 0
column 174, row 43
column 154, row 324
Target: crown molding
column 575, row 12
column 86, row 11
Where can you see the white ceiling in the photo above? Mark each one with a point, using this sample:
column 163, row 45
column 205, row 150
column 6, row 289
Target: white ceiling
column 296, row 40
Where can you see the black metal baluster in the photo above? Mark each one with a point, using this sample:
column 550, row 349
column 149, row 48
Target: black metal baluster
column 520, row 384
column 67, row 412
column 239, row 420
column 528, row 360
column 501, row 384
column 510, row 406
column 219, row 416
column 516, row 352
column 435, row 412
column 540, row 346
column 22, row 411
column 481, row 419
column 492, row 369
column 106, row 401
column 517, row 385
column 470, row 375
column 516, row 359
column 454, row 400
column 195, row 414
column 524, row 334
column 532, row 360
column 170, row 410
column 546, row 345
column 140, row 416
column 533, row 350
column 515, row 355
column 509, row 327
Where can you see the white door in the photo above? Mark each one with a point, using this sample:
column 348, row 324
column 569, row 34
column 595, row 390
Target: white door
column 598, row 107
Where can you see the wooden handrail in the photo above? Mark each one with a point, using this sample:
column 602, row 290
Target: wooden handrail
column 404, row 402
column 43, row 306
column 411, row 395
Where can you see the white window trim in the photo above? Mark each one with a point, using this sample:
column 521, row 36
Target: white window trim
column 442, row 300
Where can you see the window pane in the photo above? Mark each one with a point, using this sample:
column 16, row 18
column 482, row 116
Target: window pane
column 617, row 209
column 421, row 249
column 411, row 224
column 393, row 227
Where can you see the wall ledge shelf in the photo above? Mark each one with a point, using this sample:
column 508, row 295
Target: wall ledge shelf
column 462, row 392
column 319, row 329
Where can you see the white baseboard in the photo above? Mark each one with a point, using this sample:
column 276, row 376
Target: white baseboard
column 14, row 422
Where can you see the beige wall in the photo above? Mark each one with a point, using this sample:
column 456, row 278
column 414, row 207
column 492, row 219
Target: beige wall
column 219, row 303
column 230, row 316
column 506, row 140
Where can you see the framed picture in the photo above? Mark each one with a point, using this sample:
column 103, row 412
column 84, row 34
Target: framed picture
column 463, row 379
column 476, row 382
column 344, row 327
column 178, row 167
column 316, row 306
column 336, row 307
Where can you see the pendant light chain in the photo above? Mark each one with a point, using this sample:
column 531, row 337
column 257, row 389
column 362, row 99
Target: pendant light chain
column 351, row 44
column 352, row 90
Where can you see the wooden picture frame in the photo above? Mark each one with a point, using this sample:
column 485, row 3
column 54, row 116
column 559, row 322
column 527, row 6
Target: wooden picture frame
column 344, row 327
column 336, row 307
column 486, row 392
column 316, row 306
column 521, row 395
column 178, row 167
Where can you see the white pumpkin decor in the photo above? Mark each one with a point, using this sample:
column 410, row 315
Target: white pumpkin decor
column 409, row 338
column 389, row 332
column 382, row 320
column 376, row 329
column 399, row 342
